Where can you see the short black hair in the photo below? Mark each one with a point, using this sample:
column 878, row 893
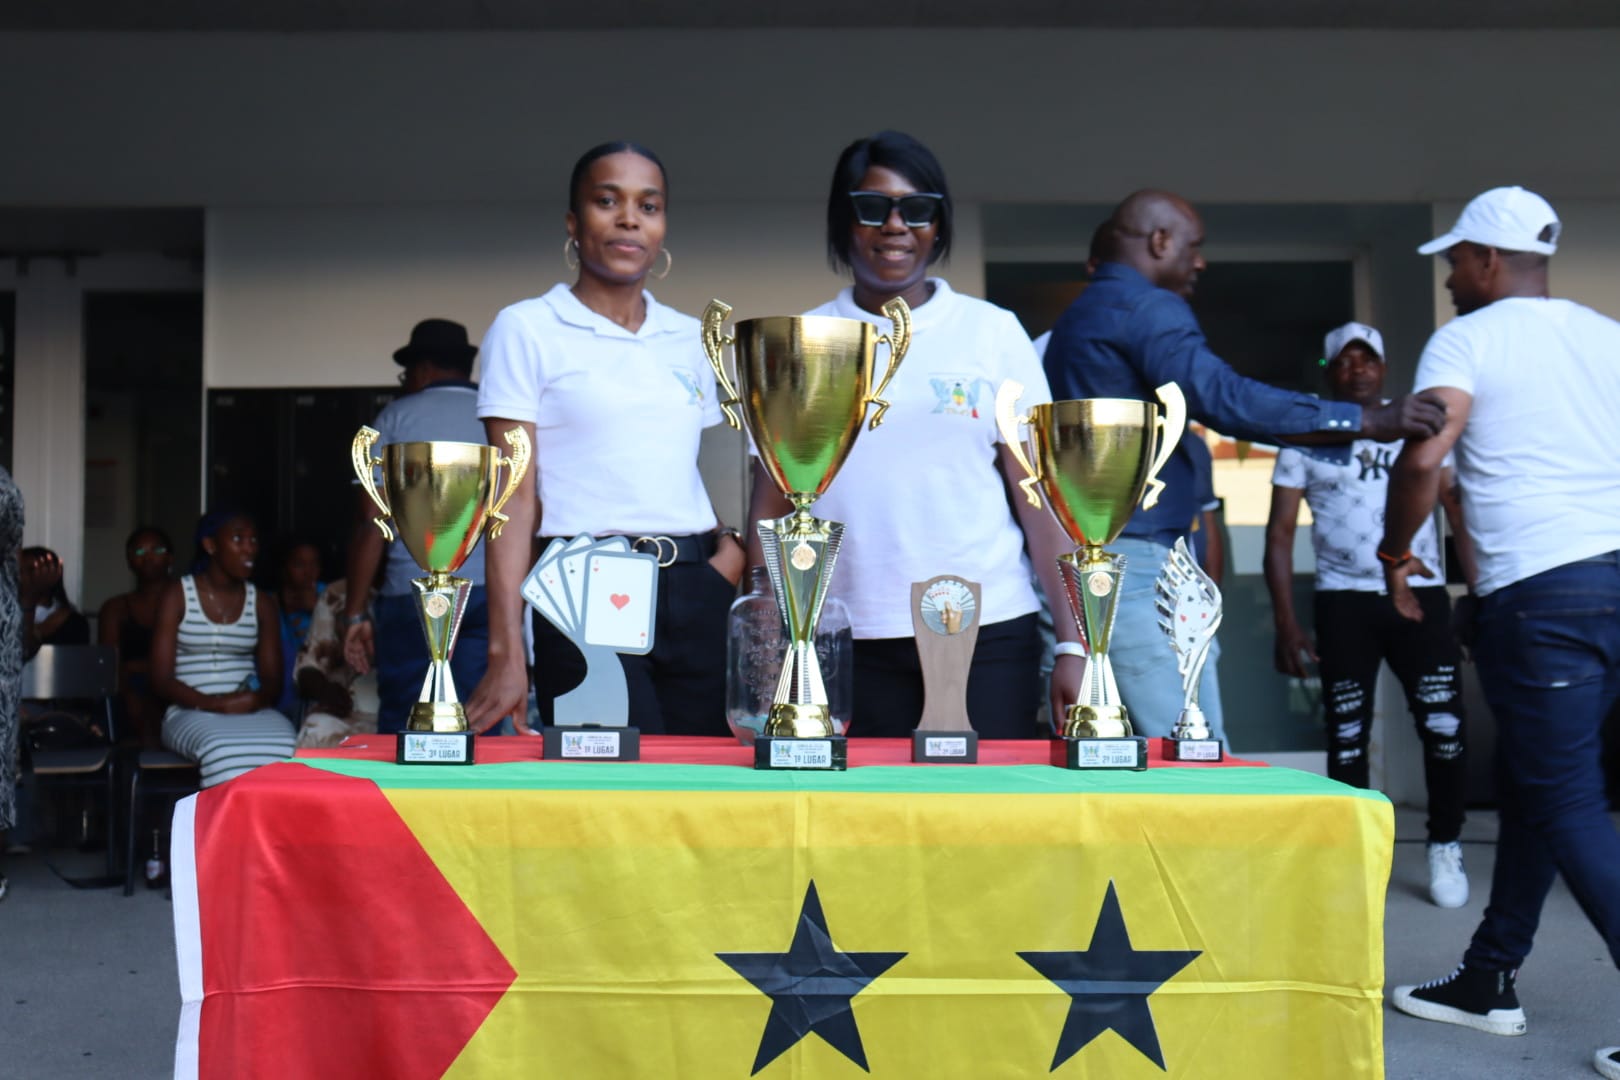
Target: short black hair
column 602, row 150
column 887, row 150
column 148, row 530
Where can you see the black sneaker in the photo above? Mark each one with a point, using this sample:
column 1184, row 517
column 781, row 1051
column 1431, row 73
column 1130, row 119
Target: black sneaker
column 1607, row 1062
column 1472, row 997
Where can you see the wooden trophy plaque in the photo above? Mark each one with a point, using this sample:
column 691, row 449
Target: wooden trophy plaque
column 945, row 617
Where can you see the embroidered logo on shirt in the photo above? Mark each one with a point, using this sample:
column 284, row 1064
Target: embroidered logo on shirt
column 1375, row 463
column 694, row 392
column 958, row 395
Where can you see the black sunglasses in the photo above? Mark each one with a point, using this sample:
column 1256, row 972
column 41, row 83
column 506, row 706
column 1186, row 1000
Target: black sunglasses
column 917, row 210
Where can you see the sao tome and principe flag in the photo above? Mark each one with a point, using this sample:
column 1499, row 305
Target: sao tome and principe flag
column 358, row 919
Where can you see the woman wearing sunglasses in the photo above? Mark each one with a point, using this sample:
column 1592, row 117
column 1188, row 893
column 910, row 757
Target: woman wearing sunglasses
column 614, row 391
column 931, row 490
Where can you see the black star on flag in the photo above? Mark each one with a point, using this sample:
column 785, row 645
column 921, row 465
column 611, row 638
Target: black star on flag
column 1108, row 985
column 810, row 987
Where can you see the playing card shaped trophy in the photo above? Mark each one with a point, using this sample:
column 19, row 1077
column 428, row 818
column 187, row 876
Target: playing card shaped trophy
column 1189, row 606
column 1094, row 459
column 803, row 385
column 442, row 497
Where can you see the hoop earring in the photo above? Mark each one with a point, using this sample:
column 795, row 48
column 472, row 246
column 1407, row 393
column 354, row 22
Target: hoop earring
column 571, row 253
column 669, row 264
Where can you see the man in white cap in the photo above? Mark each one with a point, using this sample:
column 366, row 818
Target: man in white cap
column 1532, row 389
column 1357, row 626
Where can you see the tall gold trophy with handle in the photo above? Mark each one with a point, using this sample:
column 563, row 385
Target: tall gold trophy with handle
column 442, row 497
column 803, row 385
column 1094, row 459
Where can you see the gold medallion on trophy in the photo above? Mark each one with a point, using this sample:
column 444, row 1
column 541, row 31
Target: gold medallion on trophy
column 442, row 497
column 803, row 385
column 1094, row 459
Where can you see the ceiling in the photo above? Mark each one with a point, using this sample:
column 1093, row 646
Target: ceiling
column 293, row 16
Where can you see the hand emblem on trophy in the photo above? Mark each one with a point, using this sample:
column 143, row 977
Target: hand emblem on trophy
column 1189, row 605
column 1093, row 460
column 803, row 384
column 945, row 620
column 442, row 497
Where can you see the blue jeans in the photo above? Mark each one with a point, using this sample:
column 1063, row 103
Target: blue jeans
column 1143, row 660
column 402, row 655
column 1548, row 654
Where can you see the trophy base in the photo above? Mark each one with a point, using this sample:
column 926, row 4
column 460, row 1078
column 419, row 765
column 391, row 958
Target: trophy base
column 433, row 748
column 1193, row 749
column 444, row 717
column 780, row 752
column 1129, row 753
column 591, row 743
column 1096, row 722
column 944, row 747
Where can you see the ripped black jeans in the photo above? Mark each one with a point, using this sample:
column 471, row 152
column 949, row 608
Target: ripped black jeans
column 1355, row 632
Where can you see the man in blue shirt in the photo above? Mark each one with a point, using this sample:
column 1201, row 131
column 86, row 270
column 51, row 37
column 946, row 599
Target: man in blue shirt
column 440, row 403
column 1131, row 331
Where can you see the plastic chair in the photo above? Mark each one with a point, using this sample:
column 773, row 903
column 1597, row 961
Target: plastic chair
column 78, row 673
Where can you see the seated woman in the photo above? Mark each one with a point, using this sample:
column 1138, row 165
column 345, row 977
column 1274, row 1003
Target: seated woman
column 889, row 219
column 57, row 621
column 127, row 622
column 216, row 657
column 341, row 701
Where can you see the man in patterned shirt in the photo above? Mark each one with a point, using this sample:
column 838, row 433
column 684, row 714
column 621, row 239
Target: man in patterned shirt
column 1357, row 626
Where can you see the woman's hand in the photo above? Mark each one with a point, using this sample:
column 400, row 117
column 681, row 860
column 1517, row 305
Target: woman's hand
column 359, row 647
column 38, row 576
column 503, row 691
column 730, row 558
column 237, row 702
column 1067, row 672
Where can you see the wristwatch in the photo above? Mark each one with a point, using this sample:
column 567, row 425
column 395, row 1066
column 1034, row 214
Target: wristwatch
column 733, row 532
column 356, row 620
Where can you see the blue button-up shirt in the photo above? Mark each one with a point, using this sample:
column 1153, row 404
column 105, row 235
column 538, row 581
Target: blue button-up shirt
column 1124, row 336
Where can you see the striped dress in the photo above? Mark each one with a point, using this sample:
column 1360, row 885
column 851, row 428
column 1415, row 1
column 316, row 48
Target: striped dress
column 218, row 658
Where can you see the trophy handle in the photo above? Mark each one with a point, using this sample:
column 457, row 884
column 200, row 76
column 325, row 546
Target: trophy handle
column 1172, row 422
column 517, row 466
column 898, row 339
column 714, row 339
column 360, row 452
column 1008, row 420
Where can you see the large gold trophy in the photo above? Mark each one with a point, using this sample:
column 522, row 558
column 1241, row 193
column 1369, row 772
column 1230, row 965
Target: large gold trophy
column 1094, row 459
column 442, row 497
column 803, row 384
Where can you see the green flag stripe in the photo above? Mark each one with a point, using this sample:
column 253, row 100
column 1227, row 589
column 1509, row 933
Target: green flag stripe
column 903, row 779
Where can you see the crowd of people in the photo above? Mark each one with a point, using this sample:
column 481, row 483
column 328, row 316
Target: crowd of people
column 614, row 392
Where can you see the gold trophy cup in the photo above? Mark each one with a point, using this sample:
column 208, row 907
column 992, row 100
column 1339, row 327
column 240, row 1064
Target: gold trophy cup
column 1094, row 459
column 803, row 385
column 442, row 497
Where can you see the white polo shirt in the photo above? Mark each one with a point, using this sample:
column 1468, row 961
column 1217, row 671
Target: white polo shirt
column 1538, row 460
column 617, row 415
column 922, row 495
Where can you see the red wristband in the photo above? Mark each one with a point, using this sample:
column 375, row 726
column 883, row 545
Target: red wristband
column 1394, row 560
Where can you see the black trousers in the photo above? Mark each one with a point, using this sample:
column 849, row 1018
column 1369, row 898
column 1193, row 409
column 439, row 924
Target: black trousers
column 1003, row 689
column 680, row 687
column 1355, row 631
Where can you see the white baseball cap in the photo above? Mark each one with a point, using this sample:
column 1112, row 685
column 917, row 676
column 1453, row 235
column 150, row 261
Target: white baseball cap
column 1337, row 339
column 1508, row 218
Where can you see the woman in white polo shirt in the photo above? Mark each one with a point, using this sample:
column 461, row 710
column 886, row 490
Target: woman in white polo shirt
column 614, row 391
column 930, row 491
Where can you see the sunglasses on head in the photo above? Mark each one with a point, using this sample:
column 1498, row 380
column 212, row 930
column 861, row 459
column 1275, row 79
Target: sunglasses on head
column 917, row 210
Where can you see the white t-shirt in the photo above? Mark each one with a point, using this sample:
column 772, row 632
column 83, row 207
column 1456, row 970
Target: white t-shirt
column 1347, row 508
column 922, row 494
column 1539, row 459
column 617, row 415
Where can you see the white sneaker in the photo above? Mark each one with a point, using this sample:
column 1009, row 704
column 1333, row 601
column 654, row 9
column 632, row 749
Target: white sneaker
column 1448, row 882
column 1607, row 1062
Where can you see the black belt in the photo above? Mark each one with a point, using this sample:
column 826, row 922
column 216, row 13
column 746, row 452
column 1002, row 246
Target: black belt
column 698, row 547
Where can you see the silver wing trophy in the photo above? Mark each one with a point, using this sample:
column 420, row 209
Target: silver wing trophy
column 1189, row 606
